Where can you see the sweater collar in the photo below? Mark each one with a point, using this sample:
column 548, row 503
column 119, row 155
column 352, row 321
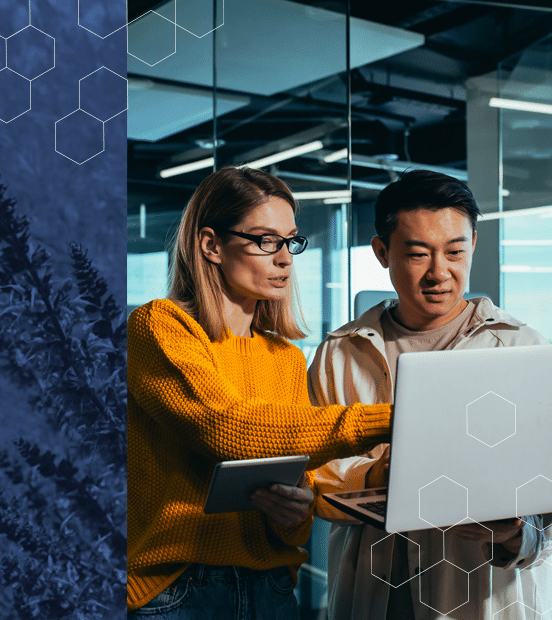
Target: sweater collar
column 246, row 346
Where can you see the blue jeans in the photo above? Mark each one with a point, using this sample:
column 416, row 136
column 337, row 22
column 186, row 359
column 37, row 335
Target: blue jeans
column 224, row 593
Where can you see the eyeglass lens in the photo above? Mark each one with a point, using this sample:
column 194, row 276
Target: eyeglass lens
column 273, row 243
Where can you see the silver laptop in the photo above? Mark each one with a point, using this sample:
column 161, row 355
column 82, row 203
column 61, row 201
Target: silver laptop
column 471, row 440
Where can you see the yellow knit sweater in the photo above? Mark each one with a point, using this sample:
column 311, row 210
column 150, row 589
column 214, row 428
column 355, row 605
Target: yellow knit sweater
column 193, row 403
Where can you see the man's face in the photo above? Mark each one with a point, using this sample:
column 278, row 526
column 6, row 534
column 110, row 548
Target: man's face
column 429, row 260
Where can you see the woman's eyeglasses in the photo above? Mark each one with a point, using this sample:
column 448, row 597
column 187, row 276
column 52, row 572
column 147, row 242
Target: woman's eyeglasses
column 273, row 243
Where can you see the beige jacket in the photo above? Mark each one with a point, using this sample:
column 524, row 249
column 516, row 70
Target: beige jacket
column 351, row 366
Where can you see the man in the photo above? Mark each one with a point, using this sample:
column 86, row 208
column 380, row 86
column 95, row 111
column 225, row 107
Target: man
column 425, row 224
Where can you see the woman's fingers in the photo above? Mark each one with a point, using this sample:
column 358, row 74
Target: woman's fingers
column 286, row 504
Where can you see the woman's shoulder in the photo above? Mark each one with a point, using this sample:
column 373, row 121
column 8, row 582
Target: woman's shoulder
column 164, row 315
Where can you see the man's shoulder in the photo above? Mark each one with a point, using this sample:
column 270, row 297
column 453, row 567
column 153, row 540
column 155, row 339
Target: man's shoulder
column 509, row 329
column 367, row 326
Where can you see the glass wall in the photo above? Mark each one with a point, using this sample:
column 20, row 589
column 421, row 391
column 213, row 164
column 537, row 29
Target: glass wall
column 525, row 81
column 223, row 90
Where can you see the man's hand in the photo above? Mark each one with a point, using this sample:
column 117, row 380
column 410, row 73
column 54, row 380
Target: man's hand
column 378, row 474
column 285, row 504
column 506, row 532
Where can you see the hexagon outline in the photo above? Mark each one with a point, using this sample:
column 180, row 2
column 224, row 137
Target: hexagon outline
column 66, row 156
column 492, row 543
column 162, row 59
column 458, row 606
column 519, row 588
column 95, row 33
column 420, row 504
column 527, row 522
column 45, row 33
column 515, row 419
column 30, row 96
column 5, row 53
column 114, row 73
column 197, row 36
column 517, row 601
column 372, row 560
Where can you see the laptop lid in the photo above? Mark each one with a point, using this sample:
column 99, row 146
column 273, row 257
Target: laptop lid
column 471, row 438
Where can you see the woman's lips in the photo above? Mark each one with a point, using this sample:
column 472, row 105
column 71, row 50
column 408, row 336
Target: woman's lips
column 278, row 282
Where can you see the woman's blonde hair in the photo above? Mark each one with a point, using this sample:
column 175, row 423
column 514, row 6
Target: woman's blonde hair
column 220, row 202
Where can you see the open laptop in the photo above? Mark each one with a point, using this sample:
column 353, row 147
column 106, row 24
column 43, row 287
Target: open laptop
column 471, row 440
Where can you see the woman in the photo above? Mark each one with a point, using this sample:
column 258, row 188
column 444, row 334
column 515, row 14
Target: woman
column 211, row 378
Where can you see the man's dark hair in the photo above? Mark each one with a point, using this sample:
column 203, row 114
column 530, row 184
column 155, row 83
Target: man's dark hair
column 422, row 189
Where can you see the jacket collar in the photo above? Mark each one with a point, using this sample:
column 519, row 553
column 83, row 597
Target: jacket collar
column 369, row 323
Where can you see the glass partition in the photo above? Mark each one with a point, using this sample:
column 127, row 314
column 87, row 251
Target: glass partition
column 290, row 61
column 525, row 83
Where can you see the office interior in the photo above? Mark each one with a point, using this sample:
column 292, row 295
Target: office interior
column 338, row 98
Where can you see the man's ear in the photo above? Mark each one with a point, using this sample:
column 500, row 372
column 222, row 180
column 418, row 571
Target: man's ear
column 381, row 251
column 474, row 240
column 209, row 244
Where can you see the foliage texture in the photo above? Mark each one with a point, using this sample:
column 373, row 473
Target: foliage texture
column 62, row 510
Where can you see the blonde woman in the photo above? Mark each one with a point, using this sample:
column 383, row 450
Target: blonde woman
column 211, row 377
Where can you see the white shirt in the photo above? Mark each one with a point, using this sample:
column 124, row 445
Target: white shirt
column 351, row 366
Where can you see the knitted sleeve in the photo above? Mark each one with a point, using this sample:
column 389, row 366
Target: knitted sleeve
column 173, row 376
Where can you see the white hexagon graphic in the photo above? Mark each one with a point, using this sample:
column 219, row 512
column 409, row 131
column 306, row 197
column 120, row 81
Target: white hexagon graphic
column 457, row 596
column 443, row 501
column 103, row 94
column 102, row 19
column 539, row 486
column 465, row 562
column 491, row 419
column 196, row 16
column 16, row 95
column 385, row 576
column 3, row 43
column 544, row 602
column 150, row 48
column 14, row 15
column 515, row 610
column 79, row 136
column 31, row 52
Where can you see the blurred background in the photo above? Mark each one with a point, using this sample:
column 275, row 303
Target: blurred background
column 337, row 98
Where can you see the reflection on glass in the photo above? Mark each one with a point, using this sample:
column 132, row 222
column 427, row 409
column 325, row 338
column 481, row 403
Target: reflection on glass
column 526, row 154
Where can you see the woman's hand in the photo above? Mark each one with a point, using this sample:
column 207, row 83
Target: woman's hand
column 285, row 504
column 378, row 474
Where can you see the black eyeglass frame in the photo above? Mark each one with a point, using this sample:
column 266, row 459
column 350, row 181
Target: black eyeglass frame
column 258, row 239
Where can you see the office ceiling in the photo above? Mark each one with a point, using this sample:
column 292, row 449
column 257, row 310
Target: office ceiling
column 408, row 102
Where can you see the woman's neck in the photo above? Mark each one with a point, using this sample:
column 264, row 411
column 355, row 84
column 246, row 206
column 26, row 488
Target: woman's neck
column 238, row 316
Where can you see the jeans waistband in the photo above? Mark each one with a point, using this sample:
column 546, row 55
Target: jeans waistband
column 199, row 571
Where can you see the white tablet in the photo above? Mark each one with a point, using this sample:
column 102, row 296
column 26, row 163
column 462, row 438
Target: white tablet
column 233, row 482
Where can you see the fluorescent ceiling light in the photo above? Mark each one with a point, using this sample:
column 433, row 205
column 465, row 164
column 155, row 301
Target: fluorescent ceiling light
column 525, row 106
column 499, row 215
column 527, row 242
column 524, row 269
column 336, row 201
column 341, row 154
column 189, row 167
column 282, row 155
column 342, row 194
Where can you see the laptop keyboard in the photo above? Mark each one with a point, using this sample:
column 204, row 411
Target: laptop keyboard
column 378, row 507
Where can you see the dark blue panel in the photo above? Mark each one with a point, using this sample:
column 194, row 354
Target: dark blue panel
column 62, row 288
